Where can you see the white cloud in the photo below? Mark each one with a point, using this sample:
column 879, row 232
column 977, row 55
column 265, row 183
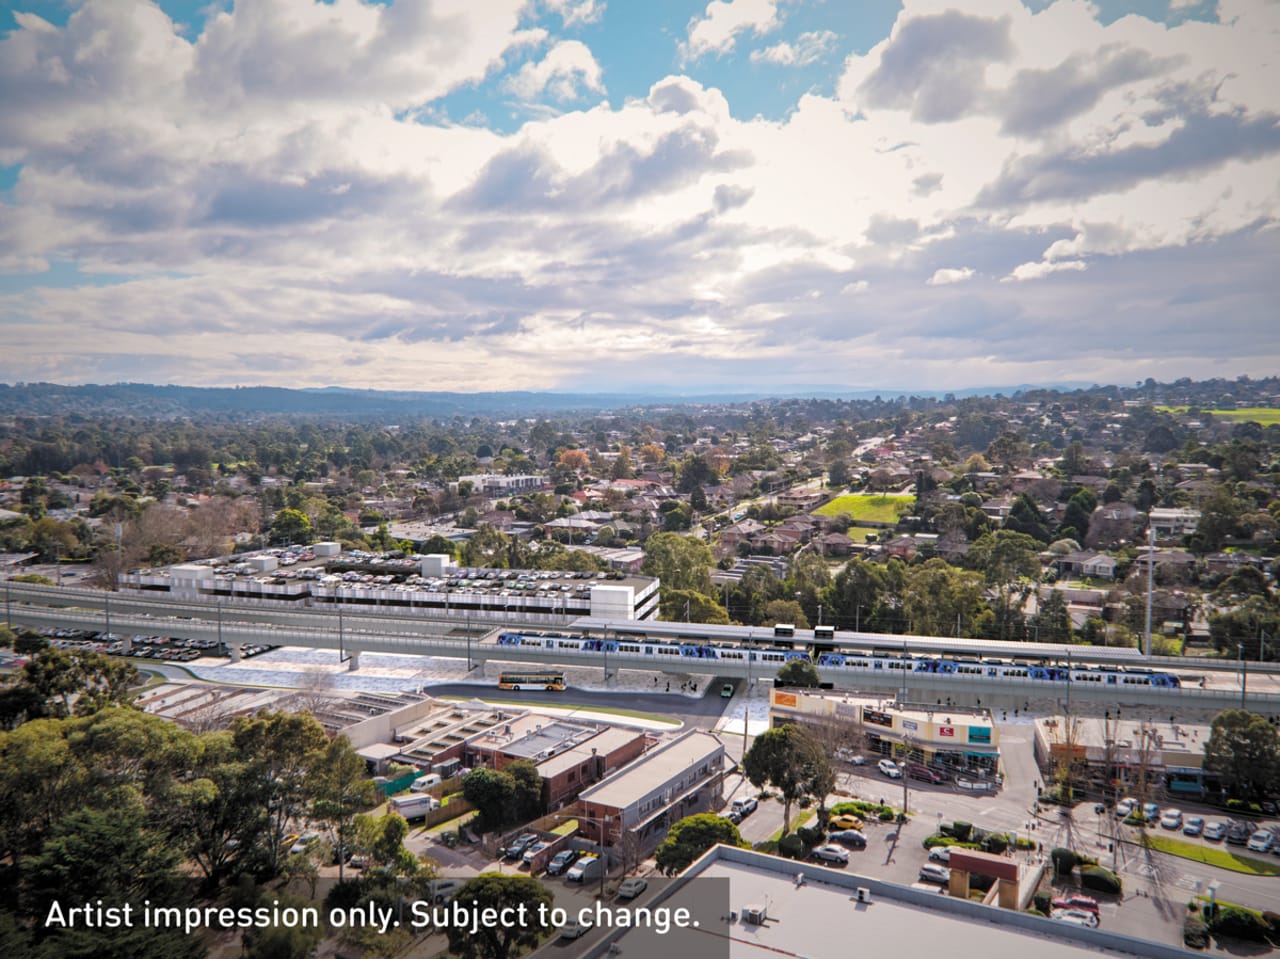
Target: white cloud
column 567, row 72
column 1036, row 271
column 573, row 12
column 717, row 30
column 948, row 275
column 808, row 48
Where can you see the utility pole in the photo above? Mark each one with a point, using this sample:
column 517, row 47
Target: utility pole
column 1151, row 565
column 746, row 694
column 1244, row 674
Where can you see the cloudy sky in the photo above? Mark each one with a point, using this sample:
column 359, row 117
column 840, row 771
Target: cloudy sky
column 597, row 195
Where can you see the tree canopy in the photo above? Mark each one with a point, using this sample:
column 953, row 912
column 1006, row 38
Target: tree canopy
column 791, row 760
column 491, row 890
column 691, row 837
column 1244, row 750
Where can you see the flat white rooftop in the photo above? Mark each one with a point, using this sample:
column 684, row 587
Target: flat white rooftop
column 654, row 769
column 821, row 919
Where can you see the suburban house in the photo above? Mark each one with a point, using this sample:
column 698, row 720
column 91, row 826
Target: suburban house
column 1087, row 563
column 1170, row 523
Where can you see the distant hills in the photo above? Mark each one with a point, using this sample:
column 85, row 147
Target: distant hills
column 147, row 400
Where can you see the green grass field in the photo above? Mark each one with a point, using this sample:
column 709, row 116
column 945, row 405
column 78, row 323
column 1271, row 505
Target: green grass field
column 863, row 506
column 1218, row 856
column 1263, row 415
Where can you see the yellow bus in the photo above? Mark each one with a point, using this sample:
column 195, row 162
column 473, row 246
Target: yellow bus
column 542, row 680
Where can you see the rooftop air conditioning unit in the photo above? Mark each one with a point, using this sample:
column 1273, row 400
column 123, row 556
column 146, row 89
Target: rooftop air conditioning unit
column 864, row 894
column 754, row 915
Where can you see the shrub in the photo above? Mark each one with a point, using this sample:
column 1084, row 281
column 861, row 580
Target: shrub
column 791, row 846
column 886, row 815
column 1064, row 861
column 1043, row 902
column 981, row 883
column 1272, row 919
column 1022, row 843
column 811, row 835
column 962, row 830
column 1230, row 920
column 1240, row 805
column 1100, row 879
column 937, row 839
column 1195, row 934
column 996, row 843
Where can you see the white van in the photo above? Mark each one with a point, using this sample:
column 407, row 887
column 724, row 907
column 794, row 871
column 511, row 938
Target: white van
column 423, row 783
column 585, row 869
column 414, row 807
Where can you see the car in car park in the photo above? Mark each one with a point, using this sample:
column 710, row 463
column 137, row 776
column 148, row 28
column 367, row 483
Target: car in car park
column 1194, row 826
column 1077, row 917
column 845, row 821
column 1171, row 819
column 442, row 890
column 304, row 841
column 1215, row 831
column 520, row 844
column 1150, row 811
column 940, row 854
column 745, row 807
column 1085, row 903
column 630, row 888
column 850, row 837
column 925, row 774
column 1261, row 841
column 573, row 929
column 889, row 768
column 850, row 757
column 561, row 861
column 1238, row 833
column 831, row 853
column 732, row 815
column 585, row 869
column 932, row 872
column 1124, row 807
column 533, row 850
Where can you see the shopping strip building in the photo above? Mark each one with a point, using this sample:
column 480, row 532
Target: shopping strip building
column 950, row 737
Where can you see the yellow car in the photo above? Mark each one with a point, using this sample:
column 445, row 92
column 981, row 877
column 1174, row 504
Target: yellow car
column 847, row 821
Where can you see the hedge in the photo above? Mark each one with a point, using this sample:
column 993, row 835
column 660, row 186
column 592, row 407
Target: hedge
column 996, row 843
column 1100, row 879
column 1064, row 861
column 1229, row 920
column 1194, row 932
